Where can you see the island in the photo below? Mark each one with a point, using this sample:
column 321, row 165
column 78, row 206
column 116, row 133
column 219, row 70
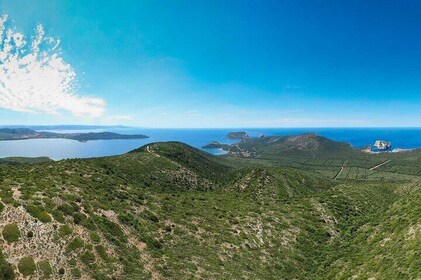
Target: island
column 216, row 145
column 238, row 135
column 382, row 145
column 26, row 133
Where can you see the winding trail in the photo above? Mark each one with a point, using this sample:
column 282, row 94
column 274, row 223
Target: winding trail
column 379, row 165
column 339, row 173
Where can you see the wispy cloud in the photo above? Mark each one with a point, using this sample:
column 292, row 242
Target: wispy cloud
column 35, row 78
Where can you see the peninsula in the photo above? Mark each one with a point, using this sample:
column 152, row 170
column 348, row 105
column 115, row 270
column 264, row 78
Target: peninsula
column 26, row 133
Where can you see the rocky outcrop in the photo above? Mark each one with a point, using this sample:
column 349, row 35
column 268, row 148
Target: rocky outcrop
column 382, row 145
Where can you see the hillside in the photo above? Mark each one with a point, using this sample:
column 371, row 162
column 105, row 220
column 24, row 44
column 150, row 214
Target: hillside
column 170, row 211
column 332, row 159
column 23, row 160
column 303, row 145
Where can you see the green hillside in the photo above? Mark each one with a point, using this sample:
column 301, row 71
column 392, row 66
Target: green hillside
column 328, row 158
column 22, row 160
column 170, row 211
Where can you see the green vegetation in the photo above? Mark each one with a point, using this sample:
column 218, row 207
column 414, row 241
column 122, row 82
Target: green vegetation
column 22, row 160
column 26, row 133
column 76, row 272
column 174, row 212
column 44, row 217
column 45, row 268
column 6, row 270
column 75, row 244
column 11, row 233
column 27, row 266
column 65, row 230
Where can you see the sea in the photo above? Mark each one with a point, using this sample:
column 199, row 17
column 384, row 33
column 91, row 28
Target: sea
column 57, row 149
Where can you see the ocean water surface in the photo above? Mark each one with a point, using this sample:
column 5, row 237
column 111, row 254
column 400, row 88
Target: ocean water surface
column 404, row 138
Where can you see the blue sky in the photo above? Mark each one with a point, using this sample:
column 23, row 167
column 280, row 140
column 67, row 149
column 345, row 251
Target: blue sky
column 225, row 63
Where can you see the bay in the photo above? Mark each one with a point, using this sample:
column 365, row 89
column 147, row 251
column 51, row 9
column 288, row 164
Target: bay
column 404, row 138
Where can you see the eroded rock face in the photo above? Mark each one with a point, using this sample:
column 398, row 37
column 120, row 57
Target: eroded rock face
column 382, row 145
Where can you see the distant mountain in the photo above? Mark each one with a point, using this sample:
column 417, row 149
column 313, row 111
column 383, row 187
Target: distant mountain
column 237, row 135
column 26, row 133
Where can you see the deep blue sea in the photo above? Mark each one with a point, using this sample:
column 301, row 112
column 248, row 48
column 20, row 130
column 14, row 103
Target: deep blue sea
column 405, row 138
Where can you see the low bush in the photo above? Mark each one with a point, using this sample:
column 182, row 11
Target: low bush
column 102, row 252
column 95, row 237
column 78, row 217
column 44, row 217
column 76, row 273
column 87, row 258
column 65, row 230
column 11, row 233
column 45, row 267
column 6, row 270
column 75, row 244
column 26, row 266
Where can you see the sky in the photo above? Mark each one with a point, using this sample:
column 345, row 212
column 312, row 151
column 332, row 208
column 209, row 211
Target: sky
column 199, row 64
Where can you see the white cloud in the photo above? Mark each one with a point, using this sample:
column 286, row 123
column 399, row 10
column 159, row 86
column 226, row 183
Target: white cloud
column 35, row 78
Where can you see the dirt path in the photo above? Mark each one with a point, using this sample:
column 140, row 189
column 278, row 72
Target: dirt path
column 379, row 165
column 339, row 173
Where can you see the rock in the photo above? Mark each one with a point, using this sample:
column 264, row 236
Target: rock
column 382, row 145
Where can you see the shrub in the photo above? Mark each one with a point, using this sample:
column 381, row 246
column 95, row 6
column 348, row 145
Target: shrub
column 102, row 252
column 44, row 217
column 78, row 217
column 72, row 262
column 30, row 234
column 45, row 268
column 66, row 209
column 95, row 237
column 26, row 266
column 74, row 245
column 58, row 215
column 87, row 258
column 6, row 270
column 1, row 207
column 33, row 210
column 75, row 273
column 65, row 230
column 11, row 233
column 49, row 203
column 61, row 271
column 88, row 223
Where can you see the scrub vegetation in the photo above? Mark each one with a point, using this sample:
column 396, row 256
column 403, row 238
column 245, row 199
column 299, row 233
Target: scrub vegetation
column 169, row 211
